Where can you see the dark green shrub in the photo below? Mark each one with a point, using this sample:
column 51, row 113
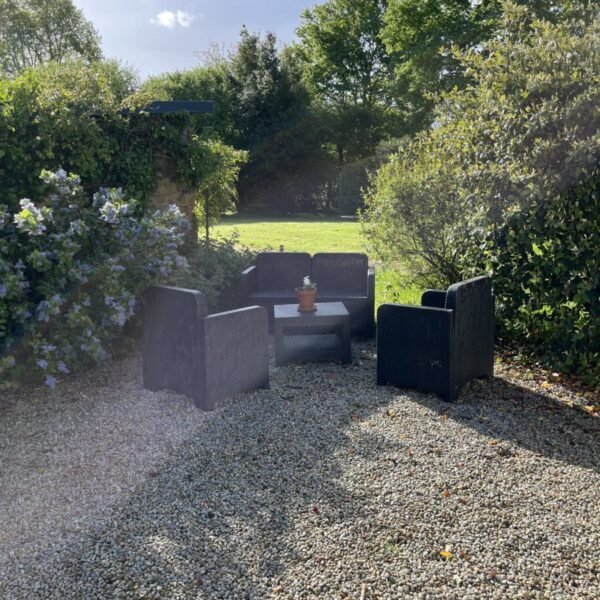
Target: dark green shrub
column 89, row 119
column 214, row 268
column 507, row 183
column 546, row 265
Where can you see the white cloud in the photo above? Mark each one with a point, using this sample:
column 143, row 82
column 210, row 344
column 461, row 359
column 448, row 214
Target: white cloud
column 173, row 18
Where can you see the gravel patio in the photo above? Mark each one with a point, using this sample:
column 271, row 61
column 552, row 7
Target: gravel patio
column 323, row 486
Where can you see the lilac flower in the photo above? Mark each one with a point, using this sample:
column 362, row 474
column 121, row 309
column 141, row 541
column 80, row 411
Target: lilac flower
column 3, row 290
column 42, row 364
column 42, row 311
column 181, row 261
column 50, row 382
column 29, row 220
column 109, row 213
column 62, row 367
column 4, row 215
column 77, row 227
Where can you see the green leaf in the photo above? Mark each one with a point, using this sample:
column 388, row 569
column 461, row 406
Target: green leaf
column 537, row 250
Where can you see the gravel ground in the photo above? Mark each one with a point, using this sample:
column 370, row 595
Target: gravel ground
column 324, row 486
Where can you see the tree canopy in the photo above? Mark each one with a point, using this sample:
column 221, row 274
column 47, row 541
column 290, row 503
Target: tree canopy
column 347, row 67
column 33, row 32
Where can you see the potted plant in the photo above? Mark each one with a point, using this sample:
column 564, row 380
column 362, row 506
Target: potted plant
column 306, row 295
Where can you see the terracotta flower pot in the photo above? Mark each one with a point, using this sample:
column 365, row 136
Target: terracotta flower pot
column 306, row 299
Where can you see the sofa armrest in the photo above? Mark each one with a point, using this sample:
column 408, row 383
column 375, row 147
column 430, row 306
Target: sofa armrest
column 434, row 298
column 237, row 357
column 248, row 282
column 414, row 347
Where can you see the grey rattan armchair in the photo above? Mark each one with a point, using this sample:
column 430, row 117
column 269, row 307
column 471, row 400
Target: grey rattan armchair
column 206, row 357
column 340, row 277
column 439, row 346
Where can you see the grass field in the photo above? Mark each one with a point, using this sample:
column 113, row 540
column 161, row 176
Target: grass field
column 315, row 234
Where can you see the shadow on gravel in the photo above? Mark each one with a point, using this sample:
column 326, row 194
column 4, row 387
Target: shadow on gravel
column 517, row 416
column 215, row 521
column 263, row 463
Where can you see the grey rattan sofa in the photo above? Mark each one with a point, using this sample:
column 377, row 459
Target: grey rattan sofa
column 439, row 346
column 206, row 357
column 340, row 277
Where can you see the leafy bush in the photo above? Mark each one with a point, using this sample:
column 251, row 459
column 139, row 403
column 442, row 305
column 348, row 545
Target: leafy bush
column 69, row 116
column 507, row 182
column 71, row 273
column 546, row 265
column 89, row 119
column 214, row 268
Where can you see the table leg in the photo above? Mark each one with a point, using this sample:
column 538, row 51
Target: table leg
column 280, row 357
column 346, row 345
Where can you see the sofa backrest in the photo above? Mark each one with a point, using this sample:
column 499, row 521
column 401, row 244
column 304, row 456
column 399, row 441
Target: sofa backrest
column 281, row 271
column 473, row 304
column 340, row 273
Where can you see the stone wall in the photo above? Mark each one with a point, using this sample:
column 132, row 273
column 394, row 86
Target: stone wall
column 169, row 191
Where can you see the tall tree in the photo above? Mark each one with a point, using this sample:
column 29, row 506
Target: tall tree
column 274, row 123
column 36, row 31
column 422, row 36
column 348, row 68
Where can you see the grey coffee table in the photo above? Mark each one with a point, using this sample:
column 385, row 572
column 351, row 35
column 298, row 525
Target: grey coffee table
column 320, row 335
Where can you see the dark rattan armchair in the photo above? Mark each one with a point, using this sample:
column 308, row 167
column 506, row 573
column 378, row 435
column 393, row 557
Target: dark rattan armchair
column 439, row 346
column 206, row 357
column 340, row 277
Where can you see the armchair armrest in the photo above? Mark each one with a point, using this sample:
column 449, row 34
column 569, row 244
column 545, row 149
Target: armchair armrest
column 371, row 282
column 237, row 357
column 414, row 347
column 371, row 300
column 435, row 298
column 248, row 282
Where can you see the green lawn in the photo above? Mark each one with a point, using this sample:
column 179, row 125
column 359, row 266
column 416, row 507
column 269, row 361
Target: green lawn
column 306, row 233
column 312, row 234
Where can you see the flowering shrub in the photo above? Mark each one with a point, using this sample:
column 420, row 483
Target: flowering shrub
column 71, row 271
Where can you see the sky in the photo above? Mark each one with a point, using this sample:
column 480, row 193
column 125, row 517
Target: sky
column 154, row 36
